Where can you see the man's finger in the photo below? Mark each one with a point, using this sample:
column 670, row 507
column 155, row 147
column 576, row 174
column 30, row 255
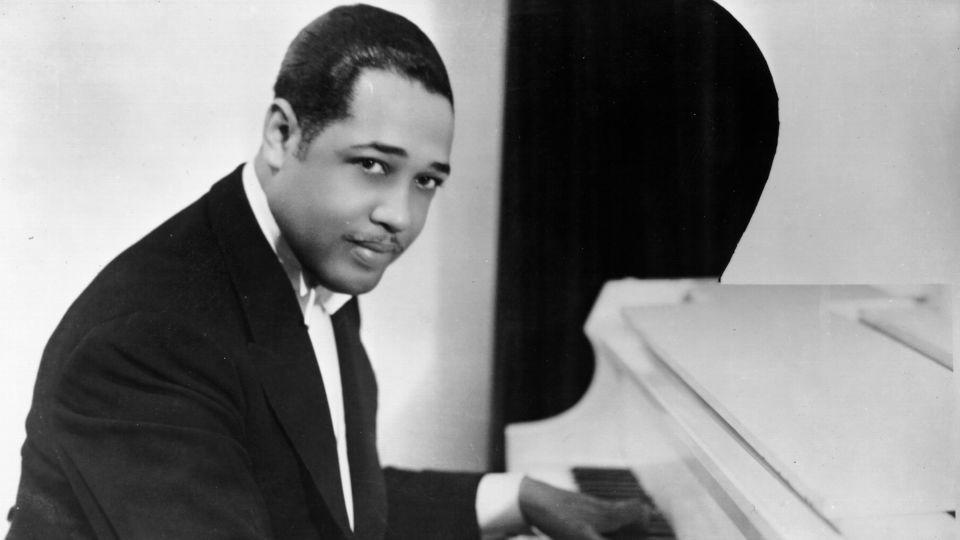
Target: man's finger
column 625, row 512
column 590, row 534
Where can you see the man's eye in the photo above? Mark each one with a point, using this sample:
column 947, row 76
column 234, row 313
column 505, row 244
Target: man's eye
column 372, row 166
column 428, row 182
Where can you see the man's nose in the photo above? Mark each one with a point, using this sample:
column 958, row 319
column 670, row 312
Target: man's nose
column 392, row 210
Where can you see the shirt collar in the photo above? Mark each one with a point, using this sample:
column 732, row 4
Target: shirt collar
column 328, row 300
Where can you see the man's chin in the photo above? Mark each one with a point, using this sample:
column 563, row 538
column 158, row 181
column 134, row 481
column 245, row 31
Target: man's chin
column 352, row 283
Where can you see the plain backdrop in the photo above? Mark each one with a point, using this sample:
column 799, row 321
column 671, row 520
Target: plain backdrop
column 864, row 186
column 115, row 115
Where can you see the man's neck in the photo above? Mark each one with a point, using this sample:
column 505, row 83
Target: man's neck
column 263, row 170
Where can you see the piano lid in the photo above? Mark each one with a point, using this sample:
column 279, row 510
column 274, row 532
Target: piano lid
column 858, row 424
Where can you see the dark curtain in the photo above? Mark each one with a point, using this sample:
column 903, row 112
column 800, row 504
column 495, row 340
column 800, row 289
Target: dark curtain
column 638, row 137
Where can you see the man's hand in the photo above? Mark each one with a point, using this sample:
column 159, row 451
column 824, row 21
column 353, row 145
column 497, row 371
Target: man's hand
column 563, row 515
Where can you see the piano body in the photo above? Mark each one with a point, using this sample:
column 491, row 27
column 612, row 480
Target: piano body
column 774, row 412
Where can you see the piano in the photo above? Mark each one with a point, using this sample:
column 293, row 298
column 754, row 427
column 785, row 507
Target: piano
column 766, row 412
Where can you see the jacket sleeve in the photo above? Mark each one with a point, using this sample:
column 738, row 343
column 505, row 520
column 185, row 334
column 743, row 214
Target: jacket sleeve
column 431, row 504
column 143, row 433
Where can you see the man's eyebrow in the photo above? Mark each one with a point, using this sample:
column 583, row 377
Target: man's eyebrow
column 440, row 167
column 382, row 148
column 397, row 151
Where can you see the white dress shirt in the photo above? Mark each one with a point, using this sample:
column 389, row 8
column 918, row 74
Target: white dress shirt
column 498, row 511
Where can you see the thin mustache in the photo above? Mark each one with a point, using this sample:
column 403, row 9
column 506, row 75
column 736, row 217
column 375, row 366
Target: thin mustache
column 378, row 242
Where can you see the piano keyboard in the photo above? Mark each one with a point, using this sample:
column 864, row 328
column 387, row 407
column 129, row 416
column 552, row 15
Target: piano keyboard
column 617, row 484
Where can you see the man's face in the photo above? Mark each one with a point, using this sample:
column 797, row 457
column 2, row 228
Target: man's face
column 360, row 195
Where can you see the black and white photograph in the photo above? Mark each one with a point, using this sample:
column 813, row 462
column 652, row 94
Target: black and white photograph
column 479, row 269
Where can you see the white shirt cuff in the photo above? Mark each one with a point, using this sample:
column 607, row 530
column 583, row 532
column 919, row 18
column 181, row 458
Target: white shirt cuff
column 498, row 505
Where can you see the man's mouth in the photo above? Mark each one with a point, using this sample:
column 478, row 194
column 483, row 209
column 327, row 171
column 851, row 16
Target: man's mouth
column 375, row 251
column 379, row 244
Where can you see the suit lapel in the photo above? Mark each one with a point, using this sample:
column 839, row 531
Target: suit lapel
column 283, row 354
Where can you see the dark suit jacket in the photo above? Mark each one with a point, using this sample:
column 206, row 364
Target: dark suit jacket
column 180, row 398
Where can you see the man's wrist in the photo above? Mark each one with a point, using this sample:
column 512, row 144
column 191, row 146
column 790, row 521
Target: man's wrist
column 498, row 505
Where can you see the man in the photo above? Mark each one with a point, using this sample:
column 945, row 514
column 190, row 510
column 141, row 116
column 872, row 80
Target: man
column 211, row 383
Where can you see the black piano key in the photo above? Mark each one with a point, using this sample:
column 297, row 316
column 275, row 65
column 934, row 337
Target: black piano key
column 615, row 484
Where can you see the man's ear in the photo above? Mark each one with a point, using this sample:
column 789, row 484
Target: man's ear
column 281, row 134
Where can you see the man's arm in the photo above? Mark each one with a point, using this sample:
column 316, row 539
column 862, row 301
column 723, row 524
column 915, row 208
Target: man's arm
column 431, row 504
column 440, row 505
column 143, row 431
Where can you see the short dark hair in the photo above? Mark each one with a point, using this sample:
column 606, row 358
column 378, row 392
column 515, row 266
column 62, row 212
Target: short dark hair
column 322, row 64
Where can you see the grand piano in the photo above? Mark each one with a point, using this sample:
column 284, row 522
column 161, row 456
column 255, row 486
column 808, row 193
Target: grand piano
column 773, row 412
